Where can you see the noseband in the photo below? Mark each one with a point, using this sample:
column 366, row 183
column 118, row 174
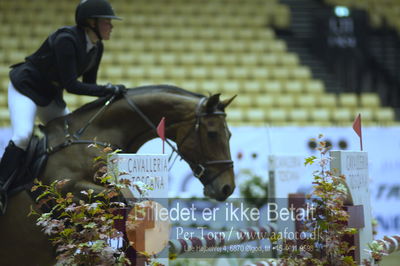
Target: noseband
column 200, row 169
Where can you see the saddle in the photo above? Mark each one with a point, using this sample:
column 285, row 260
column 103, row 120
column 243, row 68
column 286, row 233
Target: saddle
column 39, row 150
column 35, row 161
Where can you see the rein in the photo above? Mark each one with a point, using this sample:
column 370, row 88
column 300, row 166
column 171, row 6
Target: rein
column 71, row 139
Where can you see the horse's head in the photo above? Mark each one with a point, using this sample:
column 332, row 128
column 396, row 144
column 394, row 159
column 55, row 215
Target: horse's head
column 197, row 126
column 204, row 144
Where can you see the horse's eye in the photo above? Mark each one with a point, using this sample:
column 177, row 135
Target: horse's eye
column 212, row 134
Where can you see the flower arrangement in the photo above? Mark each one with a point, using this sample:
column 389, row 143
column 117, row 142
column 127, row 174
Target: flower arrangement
column 254, row 190
column 328, row 197
column 83, row 231
column 376, row 251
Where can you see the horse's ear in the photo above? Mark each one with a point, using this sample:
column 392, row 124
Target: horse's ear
column 212, row 102
column 223, row 104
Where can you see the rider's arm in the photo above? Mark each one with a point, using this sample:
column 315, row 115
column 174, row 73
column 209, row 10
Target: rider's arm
column 66, row 61
column 91, row 75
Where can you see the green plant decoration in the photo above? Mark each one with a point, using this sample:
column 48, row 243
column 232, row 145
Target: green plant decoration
column 328, row 197
column 82, row 231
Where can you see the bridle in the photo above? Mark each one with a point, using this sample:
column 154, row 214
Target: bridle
column 200, row 169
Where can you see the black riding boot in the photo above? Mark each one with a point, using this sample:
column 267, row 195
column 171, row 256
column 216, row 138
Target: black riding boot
column 9, row 163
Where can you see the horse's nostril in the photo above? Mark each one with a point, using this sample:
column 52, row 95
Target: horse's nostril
column 226, row 190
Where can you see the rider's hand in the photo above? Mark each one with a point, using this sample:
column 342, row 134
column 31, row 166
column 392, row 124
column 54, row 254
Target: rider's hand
column 116, row 89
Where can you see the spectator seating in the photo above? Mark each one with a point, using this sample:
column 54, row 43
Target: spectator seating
column 226, row 46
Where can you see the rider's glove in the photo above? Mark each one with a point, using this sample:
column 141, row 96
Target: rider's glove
column 116, row 89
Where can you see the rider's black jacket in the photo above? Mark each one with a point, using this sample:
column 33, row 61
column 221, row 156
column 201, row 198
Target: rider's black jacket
column 57, row 65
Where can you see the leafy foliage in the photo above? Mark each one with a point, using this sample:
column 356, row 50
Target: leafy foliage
column 255, row 190
column 376, row 251
column 328, row 247
column 82, row 230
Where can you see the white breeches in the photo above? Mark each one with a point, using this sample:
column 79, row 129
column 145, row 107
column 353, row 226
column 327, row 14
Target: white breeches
column 23, row 112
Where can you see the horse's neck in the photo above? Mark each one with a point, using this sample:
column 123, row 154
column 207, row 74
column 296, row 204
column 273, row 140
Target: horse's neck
column 122, row 126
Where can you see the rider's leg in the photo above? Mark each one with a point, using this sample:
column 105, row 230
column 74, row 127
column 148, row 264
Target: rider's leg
column 22, row 116
column 10, row 161
column 51, row 111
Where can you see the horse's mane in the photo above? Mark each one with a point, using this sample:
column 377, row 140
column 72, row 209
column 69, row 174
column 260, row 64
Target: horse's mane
column 140, row 91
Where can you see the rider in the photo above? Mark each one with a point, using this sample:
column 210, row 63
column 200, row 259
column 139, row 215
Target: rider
column 36, row 85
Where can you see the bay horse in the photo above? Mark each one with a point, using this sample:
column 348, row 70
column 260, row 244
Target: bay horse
column 194, row 122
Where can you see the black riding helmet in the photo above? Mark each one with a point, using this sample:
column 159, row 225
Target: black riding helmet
column 93, row 9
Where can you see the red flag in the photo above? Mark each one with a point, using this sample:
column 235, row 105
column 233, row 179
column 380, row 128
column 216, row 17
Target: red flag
column 161, row 129
column 357, row 125
column 357, row 128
